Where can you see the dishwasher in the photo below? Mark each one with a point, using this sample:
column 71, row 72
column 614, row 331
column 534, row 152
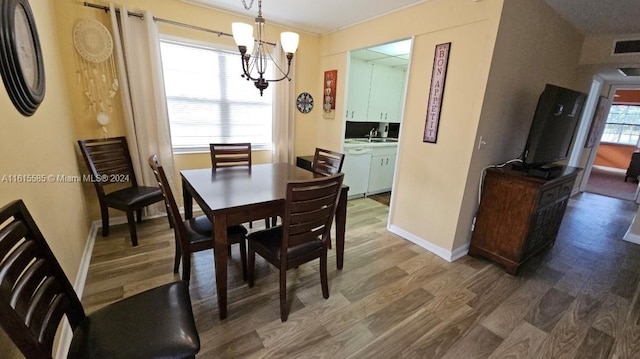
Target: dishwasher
column 357, row 162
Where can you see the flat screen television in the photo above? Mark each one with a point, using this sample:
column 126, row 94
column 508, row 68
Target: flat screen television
column 553, row 127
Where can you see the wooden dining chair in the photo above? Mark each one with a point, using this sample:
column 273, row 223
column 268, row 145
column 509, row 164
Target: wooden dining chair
column 233, row 155
column 327, row 162
column 230, row 155
column 109, row 163
column 304, row 234
column 35, row 296
column 194, row 234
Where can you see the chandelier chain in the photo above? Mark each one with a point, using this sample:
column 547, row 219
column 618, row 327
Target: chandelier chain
column 247, row 7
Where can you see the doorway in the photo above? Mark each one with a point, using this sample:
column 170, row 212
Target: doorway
column 617, row 138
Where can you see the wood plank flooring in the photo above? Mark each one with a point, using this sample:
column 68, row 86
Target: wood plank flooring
column 580, row 299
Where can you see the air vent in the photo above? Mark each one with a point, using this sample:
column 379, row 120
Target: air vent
column 627, row 47
column 630, row 71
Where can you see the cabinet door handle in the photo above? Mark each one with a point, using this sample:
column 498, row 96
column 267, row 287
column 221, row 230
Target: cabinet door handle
column 385, row 116
column 387, row 161
column 381, row 161
column 351, row 114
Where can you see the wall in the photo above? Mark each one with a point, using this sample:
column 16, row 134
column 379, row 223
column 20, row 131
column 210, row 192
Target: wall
column 614, row 155
column 305, row 61
column 430, row 178
column 534, row 47
column 599, row 49
column 44, row 144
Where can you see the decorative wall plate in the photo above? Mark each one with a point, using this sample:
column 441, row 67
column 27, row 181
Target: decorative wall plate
column 92, row 40
column 21, row 62
column 304, row 102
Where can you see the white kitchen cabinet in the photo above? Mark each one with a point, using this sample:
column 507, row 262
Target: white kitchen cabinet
column 383, row 163
column 358, row 91
column 386, row 93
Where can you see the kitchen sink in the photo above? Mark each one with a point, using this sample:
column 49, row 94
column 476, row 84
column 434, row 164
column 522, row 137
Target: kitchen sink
column 366, row 140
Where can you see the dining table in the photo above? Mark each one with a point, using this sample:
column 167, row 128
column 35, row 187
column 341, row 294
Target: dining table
column 236, row 195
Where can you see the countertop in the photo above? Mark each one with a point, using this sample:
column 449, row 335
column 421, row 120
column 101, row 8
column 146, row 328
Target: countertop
column 376, row 142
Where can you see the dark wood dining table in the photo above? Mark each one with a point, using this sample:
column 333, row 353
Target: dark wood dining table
column 236, row 195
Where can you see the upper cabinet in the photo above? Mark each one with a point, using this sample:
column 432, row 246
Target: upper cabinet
column 376, row 86
column 386, row 93
column 358, row 91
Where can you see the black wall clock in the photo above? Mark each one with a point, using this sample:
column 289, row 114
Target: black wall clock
column 21, row 63
column 304, row 103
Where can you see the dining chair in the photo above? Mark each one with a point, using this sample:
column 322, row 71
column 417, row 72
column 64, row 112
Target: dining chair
column 230, row 155
column 233, row 155
column 304, row 234
column 327, row 162
column 194, row 234
column 113, row 177
column 36, row 295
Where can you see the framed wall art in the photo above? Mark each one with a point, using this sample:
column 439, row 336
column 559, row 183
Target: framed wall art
column 436, row 92
column 329, row 94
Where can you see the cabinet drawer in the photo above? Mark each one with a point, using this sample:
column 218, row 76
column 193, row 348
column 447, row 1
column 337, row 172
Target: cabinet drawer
column 549, row 195
column 384, row 150
column 565, row 189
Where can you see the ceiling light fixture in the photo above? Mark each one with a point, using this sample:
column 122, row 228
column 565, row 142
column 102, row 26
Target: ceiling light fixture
column 256, row 57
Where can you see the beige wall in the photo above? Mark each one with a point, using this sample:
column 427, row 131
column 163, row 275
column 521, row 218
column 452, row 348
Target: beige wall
column 306, row 78
column 44, row 144
column 430, row 178
column 534, row 47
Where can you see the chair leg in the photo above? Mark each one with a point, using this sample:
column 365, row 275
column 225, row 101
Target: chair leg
column 186, row 266
column 229, row 250
column 132, row 228
column 243, row 258
column 104, row 212
column 139, row 214
column 267, row 223
column 323, row 274
column 176, row 261
column 251, row 261
column 284, row 314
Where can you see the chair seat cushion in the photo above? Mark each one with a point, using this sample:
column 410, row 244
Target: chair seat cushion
column 134, row 196
column 270, row 240
column 200, row 228
column 157, row 323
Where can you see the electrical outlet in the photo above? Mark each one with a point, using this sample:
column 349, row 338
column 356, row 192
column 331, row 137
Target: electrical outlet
column 481, row 143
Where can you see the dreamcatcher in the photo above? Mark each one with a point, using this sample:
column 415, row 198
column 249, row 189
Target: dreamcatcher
column 96, row 68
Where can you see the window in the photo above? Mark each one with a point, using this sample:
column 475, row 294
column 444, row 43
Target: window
column 208, row 101
column 623, row 125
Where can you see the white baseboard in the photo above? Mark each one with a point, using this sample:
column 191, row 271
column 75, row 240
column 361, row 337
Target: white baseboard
column 66, row 334
column 83, row 270
column 630, row 237
column 447, row 255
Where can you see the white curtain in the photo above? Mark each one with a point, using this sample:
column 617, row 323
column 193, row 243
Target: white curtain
column 139, row 65
column 283, row 112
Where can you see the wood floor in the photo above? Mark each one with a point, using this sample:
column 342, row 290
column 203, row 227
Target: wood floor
column 395, row 299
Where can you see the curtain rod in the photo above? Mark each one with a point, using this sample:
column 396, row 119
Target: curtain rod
column 166, row 21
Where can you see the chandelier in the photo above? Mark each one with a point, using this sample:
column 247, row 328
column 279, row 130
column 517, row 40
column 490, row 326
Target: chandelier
column 254, row 53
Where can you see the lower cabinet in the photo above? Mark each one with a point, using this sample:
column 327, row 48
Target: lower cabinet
column 519, row 215
column 383, row 164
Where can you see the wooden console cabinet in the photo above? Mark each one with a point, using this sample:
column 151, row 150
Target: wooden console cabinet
column 519, row 215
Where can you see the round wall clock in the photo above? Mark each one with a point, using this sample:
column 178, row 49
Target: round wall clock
column 21, row 63
column 304, row 102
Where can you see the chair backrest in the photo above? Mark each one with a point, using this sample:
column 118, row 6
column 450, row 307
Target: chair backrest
column 230, row 154
column 108, row 161
column 327, row 162
column 35, row 293
column 170, row 201
column 309, row 209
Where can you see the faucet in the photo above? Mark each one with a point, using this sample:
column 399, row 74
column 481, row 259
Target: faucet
column 373, row 133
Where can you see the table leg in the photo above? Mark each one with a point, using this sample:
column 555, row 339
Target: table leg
column 188, row 201
column 341, row 224
column 220, row 261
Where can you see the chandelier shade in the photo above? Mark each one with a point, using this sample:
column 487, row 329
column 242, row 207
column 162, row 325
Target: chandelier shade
column 254, row 53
